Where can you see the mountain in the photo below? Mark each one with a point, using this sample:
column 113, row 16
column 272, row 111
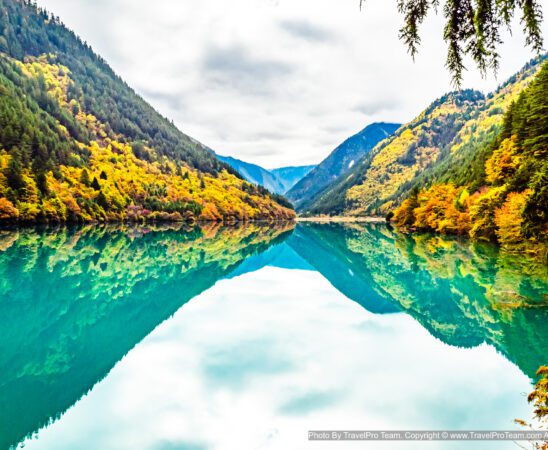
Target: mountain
column 290, row 176
column 339, row 162
column 278, row 181
column 255, row 174
column 502, row 194
column 442, row 144
column 78, row 144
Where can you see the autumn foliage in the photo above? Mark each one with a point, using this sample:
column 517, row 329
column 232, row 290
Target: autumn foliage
column 104, row 178
column 78, row 144
column 511, row 205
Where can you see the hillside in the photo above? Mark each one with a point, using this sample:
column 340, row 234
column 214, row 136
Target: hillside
column 78, row 144
column 340, row 161
column 442, row 143
column 505, row 197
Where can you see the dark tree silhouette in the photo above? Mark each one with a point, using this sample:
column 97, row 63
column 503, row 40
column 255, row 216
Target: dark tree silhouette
column 472, row 28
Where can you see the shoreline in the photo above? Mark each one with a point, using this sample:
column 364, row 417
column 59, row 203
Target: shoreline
column 341, row 219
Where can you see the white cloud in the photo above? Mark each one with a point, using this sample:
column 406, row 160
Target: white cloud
column 274, row 82
column 241, row 367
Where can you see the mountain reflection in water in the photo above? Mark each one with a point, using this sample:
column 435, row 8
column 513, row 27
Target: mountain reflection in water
column 74, row 301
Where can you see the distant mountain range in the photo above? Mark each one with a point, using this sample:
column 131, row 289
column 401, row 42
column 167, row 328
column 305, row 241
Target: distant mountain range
column 254, row 174
column 302, row 184
column 340, row 161
column 278, row 181
column 290, row 176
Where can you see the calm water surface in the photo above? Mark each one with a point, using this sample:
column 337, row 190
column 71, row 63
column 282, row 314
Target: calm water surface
column 246, row 338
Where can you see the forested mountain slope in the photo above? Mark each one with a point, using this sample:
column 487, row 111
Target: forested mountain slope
column 77, row 143
column 503, row 196
column 339, row 162
column 443, row 143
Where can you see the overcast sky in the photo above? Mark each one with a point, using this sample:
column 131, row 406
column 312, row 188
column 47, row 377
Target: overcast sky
column 273, row 82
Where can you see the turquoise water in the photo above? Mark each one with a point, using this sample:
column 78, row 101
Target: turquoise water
column 248, row 337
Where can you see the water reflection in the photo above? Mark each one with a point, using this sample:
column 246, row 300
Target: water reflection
column 463, row 293
column 75, row 301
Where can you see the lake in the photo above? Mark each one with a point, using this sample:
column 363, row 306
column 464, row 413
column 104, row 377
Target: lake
column 166, row 337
